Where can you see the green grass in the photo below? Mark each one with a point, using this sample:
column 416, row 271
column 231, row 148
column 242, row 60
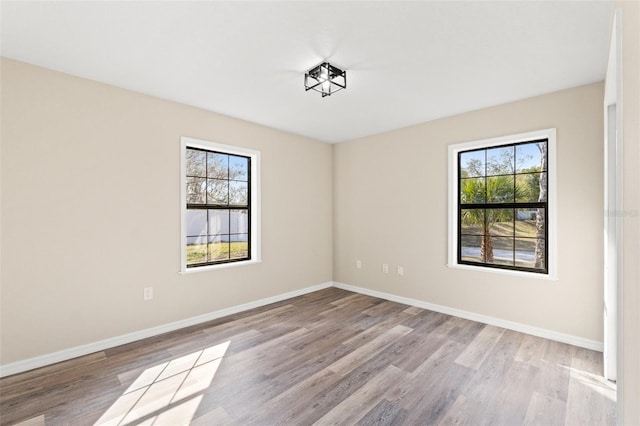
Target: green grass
column 197, row 253
column 502, row 235
column 506, row 243
column 524, row 228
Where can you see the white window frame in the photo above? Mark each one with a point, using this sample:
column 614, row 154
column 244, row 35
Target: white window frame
column 552, row 245
column 256, row 227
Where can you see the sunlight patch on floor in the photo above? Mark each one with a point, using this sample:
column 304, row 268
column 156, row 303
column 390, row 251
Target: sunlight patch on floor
column 168, row 393
column 596, row 383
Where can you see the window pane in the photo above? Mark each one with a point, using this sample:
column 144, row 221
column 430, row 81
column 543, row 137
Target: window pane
column 196, row 162
column 540, row 254
column 239, row 237
column 528, row 157
column 472, row 164
column 526, row 252
column 238, row 168
column 543, row 187
column 196, row 250
column 218, row 222
column 239, row 246
column 500, row 189
column 500, row 161
column 218, row 247
column 528, row 187
column 472, row 222
column 216, row 212
column 526, row 222
column 196, row 188
column 238, row 193
column 217, row 192
column 196, row 222
column 217, row 165
column 239, row 222
column 471, row 248
column 500, row 222
column 492, row 178
column 541, row 223
column 502, row 251
column 530, row 223
column 472, row 191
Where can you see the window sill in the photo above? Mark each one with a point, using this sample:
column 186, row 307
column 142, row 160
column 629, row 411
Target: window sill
column 521, row 274
column 219, row 266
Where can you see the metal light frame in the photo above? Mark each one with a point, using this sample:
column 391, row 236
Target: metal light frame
column 326, row 79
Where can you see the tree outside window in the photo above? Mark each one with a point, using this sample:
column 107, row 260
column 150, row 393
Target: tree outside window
column 502, row 206
column 218, row 207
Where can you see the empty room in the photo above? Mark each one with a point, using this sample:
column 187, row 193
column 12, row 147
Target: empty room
column 320, row 212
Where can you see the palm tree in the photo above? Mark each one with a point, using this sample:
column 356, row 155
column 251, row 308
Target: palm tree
column 473, row 191
column 480, row 190
column 494, row 185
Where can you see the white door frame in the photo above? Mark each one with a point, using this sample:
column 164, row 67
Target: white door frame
column 613, row 210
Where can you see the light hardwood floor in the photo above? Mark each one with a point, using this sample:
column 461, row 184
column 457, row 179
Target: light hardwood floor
column 329, row 357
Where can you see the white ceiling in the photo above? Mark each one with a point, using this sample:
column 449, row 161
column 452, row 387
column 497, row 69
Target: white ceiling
column 406, row 62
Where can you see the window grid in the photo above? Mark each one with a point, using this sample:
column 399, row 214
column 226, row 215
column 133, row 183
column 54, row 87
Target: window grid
column 514, row 206
column 211, row 205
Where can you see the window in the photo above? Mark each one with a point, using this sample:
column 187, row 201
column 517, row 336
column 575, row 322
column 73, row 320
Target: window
column 220, row 220
column 501, row 199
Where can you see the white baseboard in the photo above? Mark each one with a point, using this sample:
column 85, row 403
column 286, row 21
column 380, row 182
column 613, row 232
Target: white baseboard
column 66, row 354
column 510, row 325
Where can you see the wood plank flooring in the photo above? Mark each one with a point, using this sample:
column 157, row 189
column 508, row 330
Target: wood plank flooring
column 326, row 358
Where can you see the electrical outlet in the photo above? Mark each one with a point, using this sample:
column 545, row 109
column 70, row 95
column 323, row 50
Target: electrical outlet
column 385, row 268
column 358, row 264
column 148, row 293
column 400, row 270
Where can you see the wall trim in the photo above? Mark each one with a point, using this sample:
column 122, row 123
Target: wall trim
column 67, row 354
column 485, row 319
column 552, row 228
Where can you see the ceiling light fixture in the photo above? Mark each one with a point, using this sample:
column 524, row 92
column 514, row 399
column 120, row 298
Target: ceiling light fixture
column 326, row 79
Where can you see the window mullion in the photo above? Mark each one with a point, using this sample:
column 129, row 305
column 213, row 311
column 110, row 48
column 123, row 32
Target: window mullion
column 224, row 167
column 501, row 160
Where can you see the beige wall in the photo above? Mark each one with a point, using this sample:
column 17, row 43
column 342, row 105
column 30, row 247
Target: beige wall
column 631, row 202
column 77, row 248
column 90, row 212
column 390, row 206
